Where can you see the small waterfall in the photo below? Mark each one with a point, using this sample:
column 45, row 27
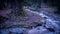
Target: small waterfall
column 50, row 19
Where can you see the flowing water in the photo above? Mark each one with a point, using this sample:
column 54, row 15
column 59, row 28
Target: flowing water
column 49, row 20
column 11, row 31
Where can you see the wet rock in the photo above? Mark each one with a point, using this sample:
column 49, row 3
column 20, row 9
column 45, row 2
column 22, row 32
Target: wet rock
column 3, row 19
column 10, row 33
column 51, row 29
column 0, row 32
column 21, row 33
column 39, row 25
column 59, row 33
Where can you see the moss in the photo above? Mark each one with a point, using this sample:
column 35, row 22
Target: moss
column 27, row 3
column 23, row 13
column 19, row 14
column 23, row 25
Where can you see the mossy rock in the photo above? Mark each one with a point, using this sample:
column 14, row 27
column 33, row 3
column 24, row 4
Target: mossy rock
column 19, row 14
column 23, row 25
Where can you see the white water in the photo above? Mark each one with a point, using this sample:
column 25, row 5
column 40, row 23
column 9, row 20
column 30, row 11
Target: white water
column 48, row 18
column 13, row 30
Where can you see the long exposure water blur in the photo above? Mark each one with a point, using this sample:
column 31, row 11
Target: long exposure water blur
column 29, row 17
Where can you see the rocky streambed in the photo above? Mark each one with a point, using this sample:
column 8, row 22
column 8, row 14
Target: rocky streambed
column 34, row 19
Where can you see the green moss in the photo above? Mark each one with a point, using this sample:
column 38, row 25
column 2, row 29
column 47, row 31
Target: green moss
column 22, row 25
column 28, row 3
column 23, row 13
column 19, row 14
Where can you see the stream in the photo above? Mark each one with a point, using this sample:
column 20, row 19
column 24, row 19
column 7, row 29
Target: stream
column 50, row 22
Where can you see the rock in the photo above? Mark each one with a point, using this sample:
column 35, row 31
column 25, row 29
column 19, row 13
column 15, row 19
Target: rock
column 3, row 19
column 21, row 33
column 39, row 24
column 58, row 32
column 0, row 32
column 51, row 29
column 10, row 33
